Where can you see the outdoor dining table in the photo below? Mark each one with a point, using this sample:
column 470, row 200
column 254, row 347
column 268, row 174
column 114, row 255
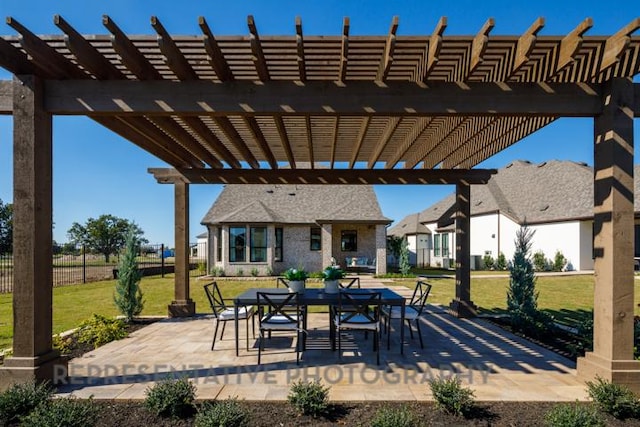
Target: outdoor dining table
column 317, row 296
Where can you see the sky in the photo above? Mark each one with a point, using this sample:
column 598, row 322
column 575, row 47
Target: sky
column 97, row 172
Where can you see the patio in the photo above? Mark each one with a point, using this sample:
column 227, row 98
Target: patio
column 494, row 363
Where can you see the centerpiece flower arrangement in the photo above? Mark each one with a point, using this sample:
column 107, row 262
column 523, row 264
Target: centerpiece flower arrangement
column 331, row 276
column 296, row 278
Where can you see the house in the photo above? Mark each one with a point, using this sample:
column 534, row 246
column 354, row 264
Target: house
column 270, row 228
column 418, row 239
column 555, row 199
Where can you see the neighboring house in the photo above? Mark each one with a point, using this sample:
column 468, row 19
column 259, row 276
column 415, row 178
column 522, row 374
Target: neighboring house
column 555, row 199
column 274, row 227
column 418, row 239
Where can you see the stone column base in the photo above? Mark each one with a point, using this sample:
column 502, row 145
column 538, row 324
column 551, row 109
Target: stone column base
column 48, row 367
column 182, row 308
column 463, row 309
column 624, row 372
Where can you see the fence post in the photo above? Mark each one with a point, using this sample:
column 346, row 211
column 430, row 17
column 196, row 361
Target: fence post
column 162, row 260
column 84, row 265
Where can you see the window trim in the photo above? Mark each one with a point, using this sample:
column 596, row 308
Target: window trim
column 252, row 247
column 315, row 237
column 233, row 246
column 342, row 240
column 436, row 244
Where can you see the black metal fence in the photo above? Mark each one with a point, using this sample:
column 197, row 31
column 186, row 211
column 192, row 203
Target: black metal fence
column 78, row 265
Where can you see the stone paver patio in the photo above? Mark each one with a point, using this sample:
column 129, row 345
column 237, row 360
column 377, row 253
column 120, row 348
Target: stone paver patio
column 495, row 364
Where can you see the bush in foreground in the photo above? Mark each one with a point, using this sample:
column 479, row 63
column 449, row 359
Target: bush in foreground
column 99, row 330
column 20, row 399
column 394, row 417
column 227, row 413
column 171, row 398
column 614, row 399
column 67, row 412
column 310, row 398
column 451, row 397
column 568, row 415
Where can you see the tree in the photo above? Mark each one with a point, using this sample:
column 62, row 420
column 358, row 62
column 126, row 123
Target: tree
column 404, row 257
column 522, row 298
column 105, row 235
column 6, row 227
column 128, row 295
column 394, row 244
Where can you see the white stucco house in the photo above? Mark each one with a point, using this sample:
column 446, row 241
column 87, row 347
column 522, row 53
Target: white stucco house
column 555, row 199
column 271, row 228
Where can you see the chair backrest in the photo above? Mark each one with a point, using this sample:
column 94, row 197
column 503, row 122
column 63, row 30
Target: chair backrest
column 420, row 295
column 283, row 281
column 357, row 306
column 279, row 304
column 215, row 298
column 349, row 282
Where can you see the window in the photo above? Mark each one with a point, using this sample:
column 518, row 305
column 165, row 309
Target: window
column 258, row 244
column 349, row 241
column 237, row 244
column 278, row 252
column 316, row 239
column 436, row 245
column 445, row 245
column 219, row 245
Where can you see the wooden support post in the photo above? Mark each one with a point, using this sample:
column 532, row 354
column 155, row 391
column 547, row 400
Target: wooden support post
column 183, row 305
column 462, row 306
column 613, row 240
column 33, row 356
column 381, row 252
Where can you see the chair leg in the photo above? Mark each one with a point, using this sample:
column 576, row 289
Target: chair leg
column 388, row 325
column 260, row 344
column 419, row 333
column 247, row 332
column 222, row 332
column 410, row 328
column 376, row 341
column 339, row 333
column 215, row 333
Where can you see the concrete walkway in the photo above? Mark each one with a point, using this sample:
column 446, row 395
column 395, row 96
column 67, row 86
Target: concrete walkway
column 495, row 364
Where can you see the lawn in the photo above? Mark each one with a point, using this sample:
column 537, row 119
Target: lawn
column 566, row 297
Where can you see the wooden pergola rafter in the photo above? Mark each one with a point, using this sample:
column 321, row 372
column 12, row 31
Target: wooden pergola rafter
column 337, row 109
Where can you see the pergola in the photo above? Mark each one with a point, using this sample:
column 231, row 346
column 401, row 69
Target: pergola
column 332, row 109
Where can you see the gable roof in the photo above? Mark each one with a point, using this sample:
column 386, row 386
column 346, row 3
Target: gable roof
column 295, row 204
column 533, row 193
column 410, row 224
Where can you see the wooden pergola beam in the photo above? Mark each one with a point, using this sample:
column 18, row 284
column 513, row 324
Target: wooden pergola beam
column 387, row 58
column 210, row 138
column 302, row 68
column 80, row 97
column 570, row 45
column 174, row 57
column 389, row 131
column 284, row 138
column 322, row 176
column 525, row 45
column 344, row 50
column 255, row 130
column 479, row 45
column 256, row 48
column 232, row 135
column 362, row 133
column 431, row 53
column 216, row 58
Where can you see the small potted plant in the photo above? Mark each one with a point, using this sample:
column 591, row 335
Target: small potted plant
column 331, row 276
column 296, row 278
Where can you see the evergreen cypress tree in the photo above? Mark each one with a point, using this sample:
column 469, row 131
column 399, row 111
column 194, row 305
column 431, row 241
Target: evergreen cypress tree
column 522, row 298
column 404, row 265
column 128, row 295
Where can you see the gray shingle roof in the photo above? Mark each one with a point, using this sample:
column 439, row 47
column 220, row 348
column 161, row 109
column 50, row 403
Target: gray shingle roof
column 533, row 193
column 295, row 204
column 409, row 225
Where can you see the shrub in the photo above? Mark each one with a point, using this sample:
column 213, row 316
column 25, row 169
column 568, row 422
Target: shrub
column 559, row 261
column 20, row 399
column 239, row 272
column 310, row 398
column 487, row 262
column 68, row 412
column 63, row 344
column 171, row 397
column 614, row 399
column 540, row 262
column 128, row 296
column 501, row 262
column 269, row 271
column 394, row 417
column 217, row 271
column 202, row 268
column 567, row 415
column 227, row 413
column 451, row 397
column 403, row 262
column 254, row 272
column 99, row 330
column 295, row 274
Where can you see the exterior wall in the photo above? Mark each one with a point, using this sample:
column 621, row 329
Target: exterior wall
column 381, row 251
column 413, row 248
column 586, row 246
column 296, row 252
column 565, row 237
column 508, row 229
column 485, row 236
column 366, row 242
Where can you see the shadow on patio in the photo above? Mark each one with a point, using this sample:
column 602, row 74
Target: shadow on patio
column 493, row 362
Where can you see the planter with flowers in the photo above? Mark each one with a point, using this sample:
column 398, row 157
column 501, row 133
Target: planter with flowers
column 331, row 276
column 296, row 278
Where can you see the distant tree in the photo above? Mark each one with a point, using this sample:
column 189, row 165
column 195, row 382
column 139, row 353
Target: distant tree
column 105, row 235
column 559, row 261
column 128, row 295
column 6, row 227
column 394, row 245
column 404, row 257
column 501, row 262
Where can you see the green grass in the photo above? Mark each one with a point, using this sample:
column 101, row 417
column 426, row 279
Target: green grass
column 567, row 298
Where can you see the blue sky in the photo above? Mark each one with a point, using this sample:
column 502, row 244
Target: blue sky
column 97, row 172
